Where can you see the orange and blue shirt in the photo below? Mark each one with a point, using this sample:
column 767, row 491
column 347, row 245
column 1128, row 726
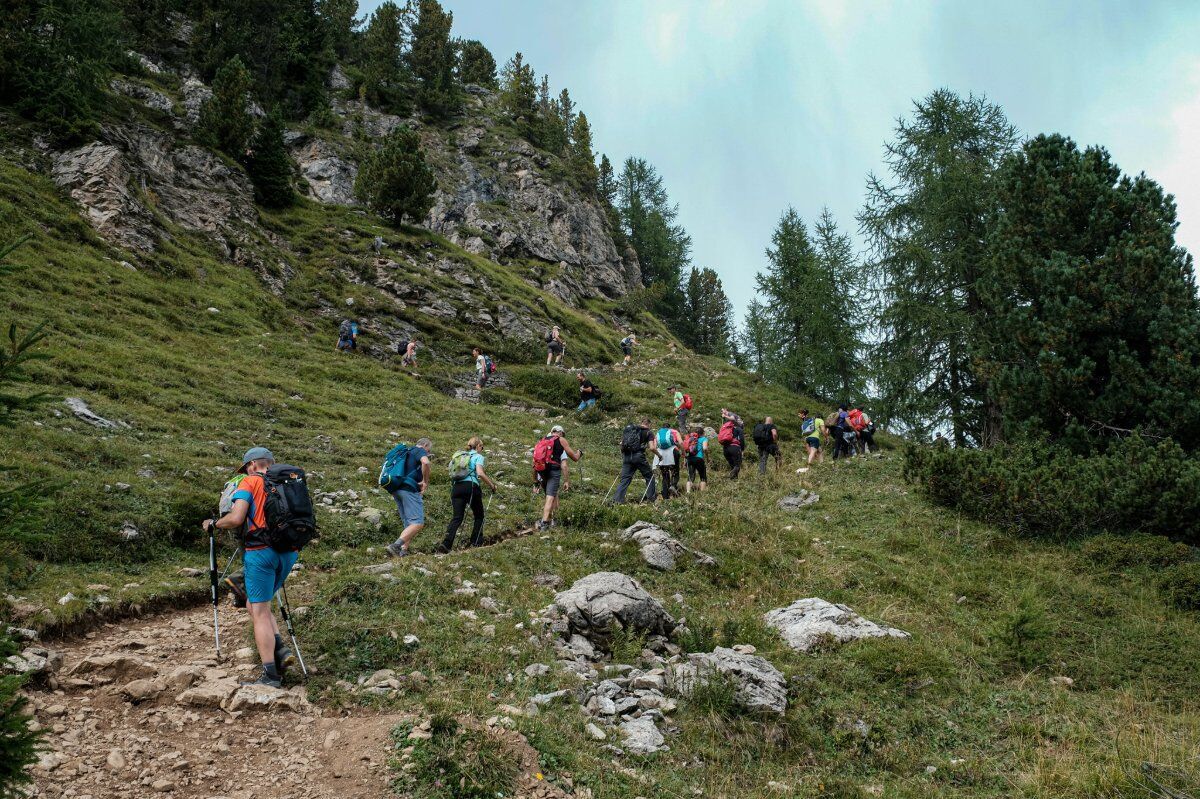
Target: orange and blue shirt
column 252, row 491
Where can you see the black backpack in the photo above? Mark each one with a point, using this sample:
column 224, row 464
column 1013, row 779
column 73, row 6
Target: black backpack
column 291, row 521
column 762, row 435
column 631, row 439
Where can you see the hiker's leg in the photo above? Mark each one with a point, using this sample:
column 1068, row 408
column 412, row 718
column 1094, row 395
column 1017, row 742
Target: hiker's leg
column 459, row 496
column 762, row 462
column 264, row 632
column 647, row 475
column 623, row 482
column 477, row 511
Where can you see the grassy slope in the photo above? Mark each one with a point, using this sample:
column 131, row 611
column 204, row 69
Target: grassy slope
column 969, row 695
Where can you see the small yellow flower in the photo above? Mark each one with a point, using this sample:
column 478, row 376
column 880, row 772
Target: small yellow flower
column 539, row 776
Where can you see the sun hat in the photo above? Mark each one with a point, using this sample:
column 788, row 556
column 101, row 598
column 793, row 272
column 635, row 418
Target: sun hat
column 255, row 454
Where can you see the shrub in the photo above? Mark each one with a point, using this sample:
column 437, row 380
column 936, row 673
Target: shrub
column 1119, row 553
column 395, row 182
column 18, row 744
column 1138, row 488
column 1022, row 630
column 1180, row 586
column 456, row 762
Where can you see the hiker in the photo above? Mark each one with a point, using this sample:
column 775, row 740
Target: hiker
column 555, row 346
column 667, row 445
column 347, row 336
column 466, row 472
column 588, row 393
column 482, row 368
column 634, row 440
column 940, row 441
column 683, row 404
column 695, row 448
column 627, row 345
column 405, row 475
column 843, row 435
column 265, row 568
column 812, row 428
column 861, row 424
column 732, row 439
column 552, row 471
column 408, row 352
column 766, row 439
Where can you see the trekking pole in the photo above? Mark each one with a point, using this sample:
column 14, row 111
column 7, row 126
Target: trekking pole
column 212, row 579
column 611, row 487
column 284, row 610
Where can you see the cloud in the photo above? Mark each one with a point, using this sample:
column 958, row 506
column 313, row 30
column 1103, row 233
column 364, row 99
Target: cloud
column 1178, row 167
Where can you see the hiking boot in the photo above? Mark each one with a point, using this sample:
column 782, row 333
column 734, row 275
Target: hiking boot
column 541, row 525
column 394, row 551
column 441, row 549
column 265, row 680
column 235, row 584
column 284, row 658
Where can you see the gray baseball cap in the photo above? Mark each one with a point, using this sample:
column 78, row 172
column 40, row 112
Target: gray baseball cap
column 255, row 454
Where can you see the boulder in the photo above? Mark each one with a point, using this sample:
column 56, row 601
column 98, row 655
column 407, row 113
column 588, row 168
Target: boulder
column 212, row 693
column 758, row 686
column 641, row 736
column 34, row 661
column 143, row 690
column 264, row 697
column 329, row 175
column 659, row 549
column 604, row 602
column 118, row 667
column 801, row 499
column 807, row 622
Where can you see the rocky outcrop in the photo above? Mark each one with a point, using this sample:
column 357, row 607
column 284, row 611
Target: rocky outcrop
column 114, row 179
column 808, row 622
column 605, row 602
column 329, row 175
column 757, row 685
column 659, row 549
column 801, row 499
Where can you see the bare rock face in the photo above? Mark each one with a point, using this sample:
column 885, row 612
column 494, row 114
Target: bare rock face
column 330, row 176
column 604, row 602
column 112, row 179
column 808, row 622
column 659, row 549
column 758, row 685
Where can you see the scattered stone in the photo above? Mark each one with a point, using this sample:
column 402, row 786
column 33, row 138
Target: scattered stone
column 1062, row 681
column 66, row 599
column 115, row 760
column 659, row 549
column 599, row 604
column 34, row 661
column 595, row 732
column 144, row 690
column 213, row 693
column 807, row 622
column 187, row 571
column 641, row 736
column 118, row 667
column 84, row 413
column 264, row 697
column 537, row 670
column 758, row 686
column 801, row 499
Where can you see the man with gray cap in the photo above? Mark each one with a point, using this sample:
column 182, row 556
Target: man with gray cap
column 551, row 470
column 265, row 568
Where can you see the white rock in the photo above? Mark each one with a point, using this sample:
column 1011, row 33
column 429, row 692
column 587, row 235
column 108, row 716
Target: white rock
column 806, row 622
column 757, row 684
column 641, row 736
column 595, row 732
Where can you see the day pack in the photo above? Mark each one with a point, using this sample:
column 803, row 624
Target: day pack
column 855, row 418
column 631, row 438
column 226, row 503
column 725, row 435
column 665, row 439
column 489, row 365
column 543, row 453
column 460, row 465
column 291, row 520
column 687, row 402
column 762, row 435
column 832, row 420
column 395, row 473
column 549, row 336
column 627, row 342
column 344, row 329
column 809, row 426
column 691, row 445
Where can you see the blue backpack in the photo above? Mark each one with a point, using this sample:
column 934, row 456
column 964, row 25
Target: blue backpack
column 396, row 474
column 665, row 439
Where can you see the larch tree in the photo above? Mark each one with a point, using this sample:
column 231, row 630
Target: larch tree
column 225, row 119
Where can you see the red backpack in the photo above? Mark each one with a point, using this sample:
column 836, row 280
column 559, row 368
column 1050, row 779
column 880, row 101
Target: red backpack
column 691, row 444
column 543, row 452
column 725, row 436
column 856, row 420
column 687, row 402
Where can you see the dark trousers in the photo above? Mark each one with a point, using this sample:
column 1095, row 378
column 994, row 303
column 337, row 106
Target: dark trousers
column 681, row 416
column 841, row 447
column 733, row 456
column 670, row 480
column 634, row 462
column 867, row 439
column 769, row 452
column 462, row 494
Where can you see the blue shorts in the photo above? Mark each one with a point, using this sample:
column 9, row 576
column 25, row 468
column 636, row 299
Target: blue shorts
column 813, row 442
column 265, row 571
column 551, row 478
column 411, row 505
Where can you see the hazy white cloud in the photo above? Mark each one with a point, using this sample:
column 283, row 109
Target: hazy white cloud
column 1177, row 166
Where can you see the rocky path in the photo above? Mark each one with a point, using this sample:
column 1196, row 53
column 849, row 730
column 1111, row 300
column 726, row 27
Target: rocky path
column 144, row 709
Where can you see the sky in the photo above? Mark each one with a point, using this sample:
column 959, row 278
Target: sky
column 747, row 107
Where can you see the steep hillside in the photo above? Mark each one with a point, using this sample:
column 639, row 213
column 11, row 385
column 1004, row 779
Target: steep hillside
column 196, row 324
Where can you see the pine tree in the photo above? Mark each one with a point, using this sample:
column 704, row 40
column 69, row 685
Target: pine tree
column 566, row 112
column 606, row 181
column 1090, row 322
column 269, row 166
column 648, row 221
column 395, row 181
column 384, row 74
column 708, row 322
column 583, row 160
column 755, row 340
column 476, row 64
column 927, row 231
column 789, row 287
column 340, row 20
column 433, row 58
column 225, row 119
column 547, row 131
column 518, row 89
column 55, row 59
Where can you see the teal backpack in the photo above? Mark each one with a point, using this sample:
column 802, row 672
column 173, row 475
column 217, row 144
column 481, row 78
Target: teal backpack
column 396, row 474
column 665, row 439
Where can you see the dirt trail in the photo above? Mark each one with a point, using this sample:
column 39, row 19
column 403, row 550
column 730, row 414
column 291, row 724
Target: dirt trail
column 178, row 741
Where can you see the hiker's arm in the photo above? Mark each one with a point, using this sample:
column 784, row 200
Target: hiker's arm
column 424, row 474
column 482, row 475
column 232, row 520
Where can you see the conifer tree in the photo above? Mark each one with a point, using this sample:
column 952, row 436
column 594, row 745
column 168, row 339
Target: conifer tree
column 432, row 59
column 225, row 120
column 1090, row 324
column 518, row 88
column 927, row 232
column 268, row 164
column 648, row 221
column 340, row 20
column 755, row 340
column 395, row 181
column 606, row 181
column 708, row 318
column 842, row 317
column 583, row 161
column 566, row 111
column 384, row 74
column 476, row 64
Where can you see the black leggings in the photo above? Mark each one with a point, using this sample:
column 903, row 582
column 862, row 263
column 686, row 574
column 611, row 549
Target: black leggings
column 733, row 456
column 697, row 466
column 463, row 493
column 670, row 480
